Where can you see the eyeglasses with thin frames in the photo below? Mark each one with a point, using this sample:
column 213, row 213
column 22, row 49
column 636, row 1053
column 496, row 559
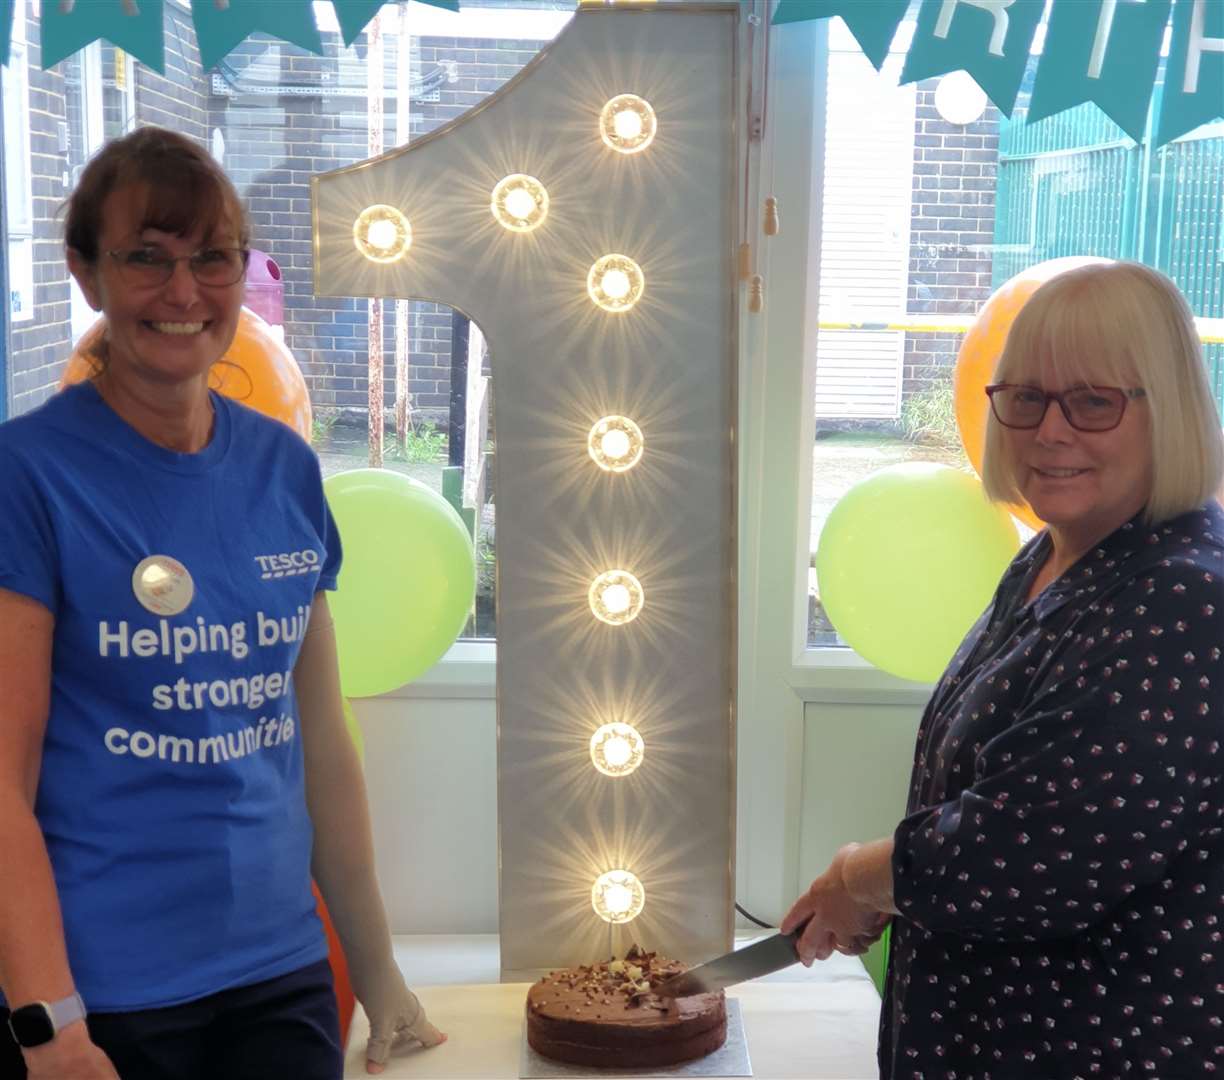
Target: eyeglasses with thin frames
column 150, row 267
column 1086, row 408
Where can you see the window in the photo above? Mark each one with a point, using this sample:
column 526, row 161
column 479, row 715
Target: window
column 99, row 104
column 275, row 115
column 932, row 200
column 18, row 186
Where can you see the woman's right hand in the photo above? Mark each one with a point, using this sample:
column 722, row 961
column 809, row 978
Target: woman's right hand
column 70, row 1053
column 836, row 922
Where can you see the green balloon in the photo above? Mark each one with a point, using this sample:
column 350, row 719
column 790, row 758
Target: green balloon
column 908, row 559
column 407, row 581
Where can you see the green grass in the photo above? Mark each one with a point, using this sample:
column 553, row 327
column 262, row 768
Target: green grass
column 321, row 423
column 424, row 444
column 930, row 414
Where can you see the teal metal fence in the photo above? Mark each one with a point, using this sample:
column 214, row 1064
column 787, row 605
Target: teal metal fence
column 1076, row 184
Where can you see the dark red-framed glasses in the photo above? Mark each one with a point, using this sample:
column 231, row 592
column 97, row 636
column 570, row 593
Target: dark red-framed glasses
column 1086, row 408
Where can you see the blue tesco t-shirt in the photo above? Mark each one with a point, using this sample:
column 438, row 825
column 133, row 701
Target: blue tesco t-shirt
column 171, row 793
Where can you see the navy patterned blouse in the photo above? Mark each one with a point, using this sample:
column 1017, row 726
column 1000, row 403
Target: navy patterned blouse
column 1060, row 870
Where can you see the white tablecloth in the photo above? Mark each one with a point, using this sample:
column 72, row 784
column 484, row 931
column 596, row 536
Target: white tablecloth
column 817, row 1024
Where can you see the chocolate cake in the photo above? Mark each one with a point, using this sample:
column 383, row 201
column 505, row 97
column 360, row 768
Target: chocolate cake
column 608, row 1015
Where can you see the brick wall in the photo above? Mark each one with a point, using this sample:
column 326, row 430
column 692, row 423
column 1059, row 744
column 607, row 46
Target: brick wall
column 952, row 229
column 175, row 99
column 41, row 344
column 304, row 124
column 273, row 144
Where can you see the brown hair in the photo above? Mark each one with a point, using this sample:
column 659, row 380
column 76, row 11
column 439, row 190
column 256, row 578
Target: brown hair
column 184, row 188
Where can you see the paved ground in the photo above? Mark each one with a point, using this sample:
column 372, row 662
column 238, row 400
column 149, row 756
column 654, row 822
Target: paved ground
column 342, row 449
column 842, row 459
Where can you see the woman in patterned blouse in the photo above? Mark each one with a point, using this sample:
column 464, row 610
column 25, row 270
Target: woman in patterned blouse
column 1056, row 887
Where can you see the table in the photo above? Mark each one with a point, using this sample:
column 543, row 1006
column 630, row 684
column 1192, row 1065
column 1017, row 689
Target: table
column 801, row 1024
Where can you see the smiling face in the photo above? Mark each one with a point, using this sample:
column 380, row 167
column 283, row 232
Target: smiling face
column 168, row 333
column 1083, row 484
column 1116, row 324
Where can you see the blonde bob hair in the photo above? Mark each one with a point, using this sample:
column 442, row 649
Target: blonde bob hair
column 1119, row 324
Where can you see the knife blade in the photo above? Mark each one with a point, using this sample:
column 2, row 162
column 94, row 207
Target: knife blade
column 761, row 958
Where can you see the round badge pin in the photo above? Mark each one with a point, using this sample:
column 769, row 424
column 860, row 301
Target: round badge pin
column 162, row 585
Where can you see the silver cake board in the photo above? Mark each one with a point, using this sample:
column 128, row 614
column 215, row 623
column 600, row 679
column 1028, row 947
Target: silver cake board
column 730, row 1059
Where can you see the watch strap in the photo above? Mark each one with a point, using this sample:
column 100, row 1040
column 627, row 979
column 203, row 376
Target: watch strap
column 38, row 1022
column 66, row 1010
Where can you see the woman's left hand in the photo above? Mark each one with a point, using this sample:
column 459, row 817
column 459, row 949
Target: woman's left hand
column 343, row 856
column 836, row 922
column 397, row 1019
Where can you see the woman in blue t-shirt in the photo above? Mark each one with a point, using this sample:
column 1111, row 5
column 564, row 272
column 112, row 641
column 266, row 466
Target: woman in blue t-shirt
column 174, row 766
column 1056, row 887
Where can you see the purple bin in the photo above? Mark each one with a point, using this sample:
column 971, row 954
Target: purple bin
column 265, row 291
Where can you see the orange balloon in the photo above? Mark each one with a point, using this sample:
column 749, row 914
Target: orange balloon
column 257, row 370
column 345, row 999
column 979, row 355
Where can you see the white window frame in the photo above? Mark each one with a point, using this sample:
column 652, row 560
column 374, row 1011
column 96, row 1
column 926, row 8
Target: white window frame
column 18, row 179
column 129, row 91
column 778, row 672
column 787, row 393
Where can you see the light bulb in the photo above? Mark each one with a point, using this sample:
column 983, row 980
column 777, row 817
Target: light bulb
column 617, row 749
column 628, row 124
column 615, row 283
column 519, row 202
column 615, row 443
column 616, row 597
column 617, row 896
column 382, row 234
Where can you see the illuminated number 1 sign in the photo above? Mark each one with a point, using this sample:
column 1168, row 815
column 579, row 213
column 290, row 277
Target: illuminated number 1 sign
column 584, row 218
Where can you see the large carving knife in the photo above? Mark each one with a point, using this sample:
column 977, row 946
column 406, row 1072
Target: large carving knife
column 761, row 958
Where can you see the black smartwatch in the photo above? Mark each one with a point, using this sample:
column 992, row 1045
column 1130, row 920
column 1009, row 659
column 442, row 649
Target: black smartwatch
column 40, row 1021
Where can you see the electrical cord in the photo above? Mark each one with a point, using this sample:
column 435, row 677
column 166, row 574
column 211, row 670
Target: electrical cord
column 752, row 918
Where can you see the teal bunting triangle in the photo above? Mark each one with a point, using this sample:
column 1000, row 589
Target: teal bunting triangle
column 872, row 22
column 1106, row 54
column 219, row 30
column 355, row 15
column 1194, row 80
column 6, row 29
column 991, row 44
column 132, row 25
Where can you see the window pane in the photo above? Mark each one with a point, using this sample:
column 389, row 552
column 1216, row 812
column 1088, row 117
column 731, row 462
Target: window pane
column 18, row 188
column 275, row 115
column 15, row 88
column 932, row 200
column 118, row 96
